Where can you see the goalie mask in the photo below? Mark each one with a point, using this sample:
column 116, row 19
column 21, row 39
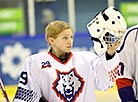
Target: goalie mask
column 107, row 27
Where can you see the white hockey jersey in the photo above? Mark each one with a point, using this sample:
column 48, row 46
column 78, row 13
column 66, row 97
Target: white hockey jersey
column 72, row 81
column 129, row 56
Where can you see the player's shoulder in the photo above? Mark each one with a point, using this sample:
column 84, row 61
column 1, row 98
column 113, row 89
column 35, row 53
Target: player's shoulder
column 132, row 28
column 132, row 31
column 38, row 56
column 129, row 38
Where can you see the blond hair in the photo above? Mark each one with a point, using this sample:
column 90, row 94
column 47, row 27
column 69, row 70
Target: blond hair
column 55, row 28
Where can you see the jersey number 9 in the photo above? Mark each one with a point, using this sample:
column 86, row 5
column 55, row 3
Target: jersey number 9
column 23, row 78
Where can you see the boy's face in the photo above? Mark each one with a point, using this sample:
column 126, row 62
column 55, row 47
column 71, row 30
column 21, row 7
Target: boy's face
column 64, row 42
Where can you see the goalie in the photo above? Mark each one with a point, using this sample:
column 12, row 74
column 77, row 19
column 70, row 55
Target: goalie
column 61, row 75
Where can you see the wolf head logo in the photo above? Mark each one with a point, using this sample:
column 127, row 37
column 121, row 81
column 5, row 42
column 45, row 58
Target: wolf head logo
column 68, row 85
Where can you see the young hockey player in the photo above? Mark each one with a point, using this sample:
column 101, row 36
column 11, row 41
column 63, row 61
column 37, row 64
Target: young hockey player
column 128, row 84
column 61, row 75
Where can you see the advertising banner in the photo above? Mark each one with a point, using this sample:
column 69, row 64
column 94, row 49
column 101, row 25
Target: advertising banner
column 11, row 21
column 130, row 12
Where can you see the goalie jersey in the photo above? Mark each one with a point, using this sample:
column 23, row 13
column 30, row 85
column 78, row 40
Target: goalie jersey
column 73, row 80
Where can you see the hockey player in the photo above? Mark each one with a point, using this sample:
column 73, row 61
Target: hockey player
column 128, row 84
column 61, row 75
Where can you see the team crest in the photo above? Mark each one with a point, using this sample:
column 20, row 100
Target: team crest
column 68, row 85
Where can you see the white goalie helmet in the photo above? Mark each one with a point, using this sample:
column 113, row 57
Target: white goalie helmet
column 107, row 27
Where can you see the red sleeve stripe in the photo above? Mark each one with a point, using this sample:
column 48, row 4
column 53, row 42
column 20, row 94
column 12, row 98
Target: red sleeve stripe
column 123, row 82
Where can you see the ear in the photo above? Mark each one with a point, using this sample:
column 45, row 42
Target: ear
column 50, row 40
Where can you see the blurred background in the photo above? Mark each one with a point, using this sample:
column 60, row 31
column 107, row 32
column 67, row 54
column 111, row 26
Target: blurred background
column 22, row 31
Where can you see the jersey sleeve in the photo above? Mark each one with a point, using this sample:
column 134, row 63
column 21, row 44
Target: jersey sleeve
column 125, row 90
column 28, row 89
column 106, row 71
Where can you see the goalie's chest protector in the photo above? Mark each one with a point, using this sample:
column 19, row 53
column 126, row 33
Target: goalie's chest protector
column 71, row 81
